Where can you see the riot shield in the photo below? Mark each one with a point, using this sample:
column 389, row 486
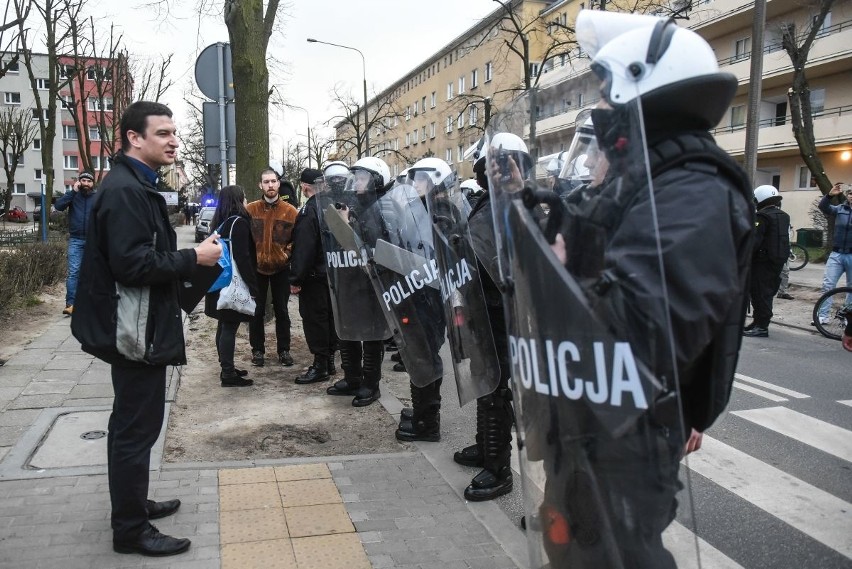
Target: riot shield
column 595, row 362
column 357, row 313
column 475, row 363
column 395, row 237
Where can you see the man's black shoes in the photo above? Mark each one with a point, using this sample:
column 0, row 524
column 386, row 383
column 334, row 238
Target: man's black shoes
column 157, row 510
column 313, row 375
column 234, row 379
column 152, row 543
column 756, row 332
column 344, row 387
column 257, row 358
column 285, row 358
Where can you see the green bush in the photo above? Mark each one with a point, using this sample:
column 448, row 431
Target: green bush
column 26, row 268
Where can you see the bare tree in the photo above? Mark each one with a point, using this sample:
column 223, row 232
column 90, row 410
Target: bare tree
column 17, row 132
column 799, row 94
column 191, row 134
column 320, row 148
column 54, row 15
column 9, row 35
column 351, row 134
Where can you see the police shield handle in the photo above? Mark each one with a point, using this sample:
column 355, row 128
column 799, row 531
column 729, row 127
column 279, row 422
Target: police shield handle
column 208, row 251
column 341, row 230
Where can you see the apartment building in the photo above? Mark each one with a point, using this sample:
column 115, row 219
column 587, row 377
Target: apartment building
column 84, row 117
column 445, row 132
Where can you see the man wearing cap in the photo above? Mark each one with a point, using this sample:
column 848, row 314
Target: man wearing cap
column 840, row 259
column 80, row 201
column 308, row 280
column 272, row 220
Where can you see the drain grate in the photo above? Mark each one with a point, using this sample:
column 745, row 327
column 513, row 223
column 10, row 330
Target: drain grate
column 93, row 435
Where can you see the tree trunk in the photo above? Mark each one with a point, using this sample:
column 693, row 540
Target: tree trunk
column 251, row 91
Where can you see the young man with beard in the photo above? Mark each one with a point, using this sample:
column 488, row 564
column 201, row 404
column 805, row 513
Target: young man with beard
column 79, row 204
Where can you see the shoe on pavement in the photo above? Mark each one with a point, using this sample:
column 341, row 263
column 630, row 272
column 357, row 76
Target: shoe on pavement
column 344, row 387
column 822, row 321
column 157, row 510
column 257, row 358
column 365, row 396
column 152, row 543
column 234, row 379
column 396, row 357
column 68, row 310
column 241, row 372
column 470, row 456
column 285, row 358
column 786, row 296
column 399, row 367
column 757, row 332
column 313, row 375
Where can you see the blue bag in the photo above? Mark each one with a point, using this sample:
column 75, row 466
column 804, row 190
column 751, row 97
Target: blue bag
column 224, row 260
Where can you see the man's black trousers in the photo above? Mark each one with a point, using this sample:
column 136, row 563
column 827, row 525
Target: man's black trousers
column 134, row 425
column 280, row 284
column 765, row 280
column 317, row 317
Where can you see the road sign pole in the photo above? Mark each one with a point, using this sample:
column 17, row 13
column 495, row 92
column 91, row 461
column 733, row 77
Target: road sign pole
column 223, row 142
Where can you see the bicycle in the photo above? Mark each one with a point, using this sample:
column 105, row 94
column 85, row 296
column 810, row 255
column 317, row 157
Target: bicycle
column 798, row 257
column 839, row 312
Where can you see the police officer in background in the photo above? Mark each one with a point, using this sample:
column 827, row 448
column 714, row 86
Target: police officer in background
column 771, row 251
column 308, row 280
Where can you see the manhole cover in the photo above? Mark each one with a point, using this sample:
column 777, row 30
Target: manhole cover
column 92, row 435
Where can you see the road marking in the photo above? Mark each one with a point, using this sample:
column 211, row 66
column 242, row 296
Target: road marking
column 847, row 402
column 771, row 386
column 826, row 437
column 762, row 393
column 680, row 541
column 806, row 508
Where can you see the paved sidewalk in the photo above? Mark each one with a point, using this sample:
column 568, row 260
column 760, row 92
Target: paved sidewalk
column 392, row 510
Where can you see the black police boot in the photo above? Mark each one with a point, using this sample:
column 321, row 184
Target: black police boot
column 496, row 477
column 350, row 362
column 396, row 357
column 317, row 372
column 473, row 455
column 425, row 424
column 756, row 332
column 369, row 391
column 331, row 369
column 231, row 378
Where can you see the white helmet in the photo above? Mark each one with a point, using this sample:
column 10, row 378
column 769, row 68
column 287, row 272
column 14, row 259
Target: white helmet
column 435, row 169
column 470, row 186
column 669, row 67
column 506, row 143
column 336, row 168
column 402, row 178
column 554, row 166
column 275, row 166
column 763, row 193
column 375, row 166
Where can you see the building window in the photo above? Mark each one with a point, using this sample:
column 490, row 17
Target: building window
column 43, row 114
column 459, row 153
column 10, row 159
column 97, row 74
column 433, row 128
column 738, row 115
column 489, row 68
column 69, row 132
column 64, row 71
column 806, row 180
column 71, row 162
column 36, row 144
column 450, row 124
column 742, row 49
column 448, row 156
column 472, row 116
column 43, row 84
column 817, row 101
column 19, row 189
column 460, row 121
column 69, row 188
column 534, row 68
column 449, row 90
column 423, row 134
column 408, row 113
column 94, row 133
column 474, row 79
column 12, row 98
column 37, row 174
column 461, row 84
column 95, row 104
column 580, row 100
column 434, row 99
column 423, row 103
column 407, row 139
column 414, row 139
column 14, row 67
column 66, row 101
column 416, row 108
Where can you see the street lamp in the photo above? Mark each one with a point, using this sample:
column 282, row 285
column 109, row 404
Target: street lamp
column 364, row 69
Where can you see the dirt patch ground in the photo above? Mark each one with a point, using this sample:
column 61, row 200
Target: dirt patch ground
column 22, row 325
column 274, row 418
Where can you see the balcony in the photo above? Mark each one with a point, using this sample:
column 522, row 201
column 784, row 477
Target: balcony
column 832, row 126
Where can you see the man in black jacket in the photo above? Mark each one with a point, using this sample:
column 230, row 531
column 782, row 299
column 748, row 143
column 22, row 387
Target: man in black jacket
column 80, row 202
column 308, row 280
column 128, row 315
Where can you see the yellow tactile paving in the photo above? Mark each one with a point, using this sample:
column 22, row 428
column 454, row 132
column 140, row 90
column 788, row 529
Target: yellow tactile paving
column 271, row 554
column 249, row 496
column 309, row 493
column 342, row 551
column 290, row 517
column 302, row 472
column 246, row 475
column 306, row 521
column 252, row 525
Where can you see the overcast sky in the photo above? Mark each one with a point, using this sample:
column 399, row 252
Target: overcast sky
column 394, row 35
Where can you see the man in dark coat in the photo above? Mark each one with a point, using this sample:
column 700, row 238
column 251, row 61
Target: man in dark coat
column 128, row 315
column 308, row 280
column 79, row 204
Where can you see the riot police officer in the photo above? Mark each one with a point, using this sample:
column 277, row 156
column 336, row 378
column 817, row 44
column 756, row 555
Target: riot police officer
column 771, row 251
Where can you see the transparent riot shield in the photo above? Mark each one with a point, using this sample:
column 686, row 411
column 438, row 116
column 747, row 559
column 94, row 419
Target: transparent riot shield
column 395, row 236
column 357, row 313
column 475, row 363
column 595, row 358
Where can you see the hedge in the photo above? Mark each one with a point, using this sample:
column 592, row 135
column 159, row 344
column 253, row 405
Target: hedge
column 25, row 269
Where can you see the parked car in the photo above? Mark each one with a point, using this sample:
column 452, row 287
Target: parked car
column 15, row 214
column 202, row 229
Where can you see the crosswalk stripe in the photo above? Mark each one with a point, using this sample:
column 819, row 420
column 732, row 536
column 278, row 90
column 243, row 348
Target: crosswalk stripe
column 680, row 541
column 762, row 393
column 847, row 402
column 812, row 511
column 824, row 436
column 771, row 386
